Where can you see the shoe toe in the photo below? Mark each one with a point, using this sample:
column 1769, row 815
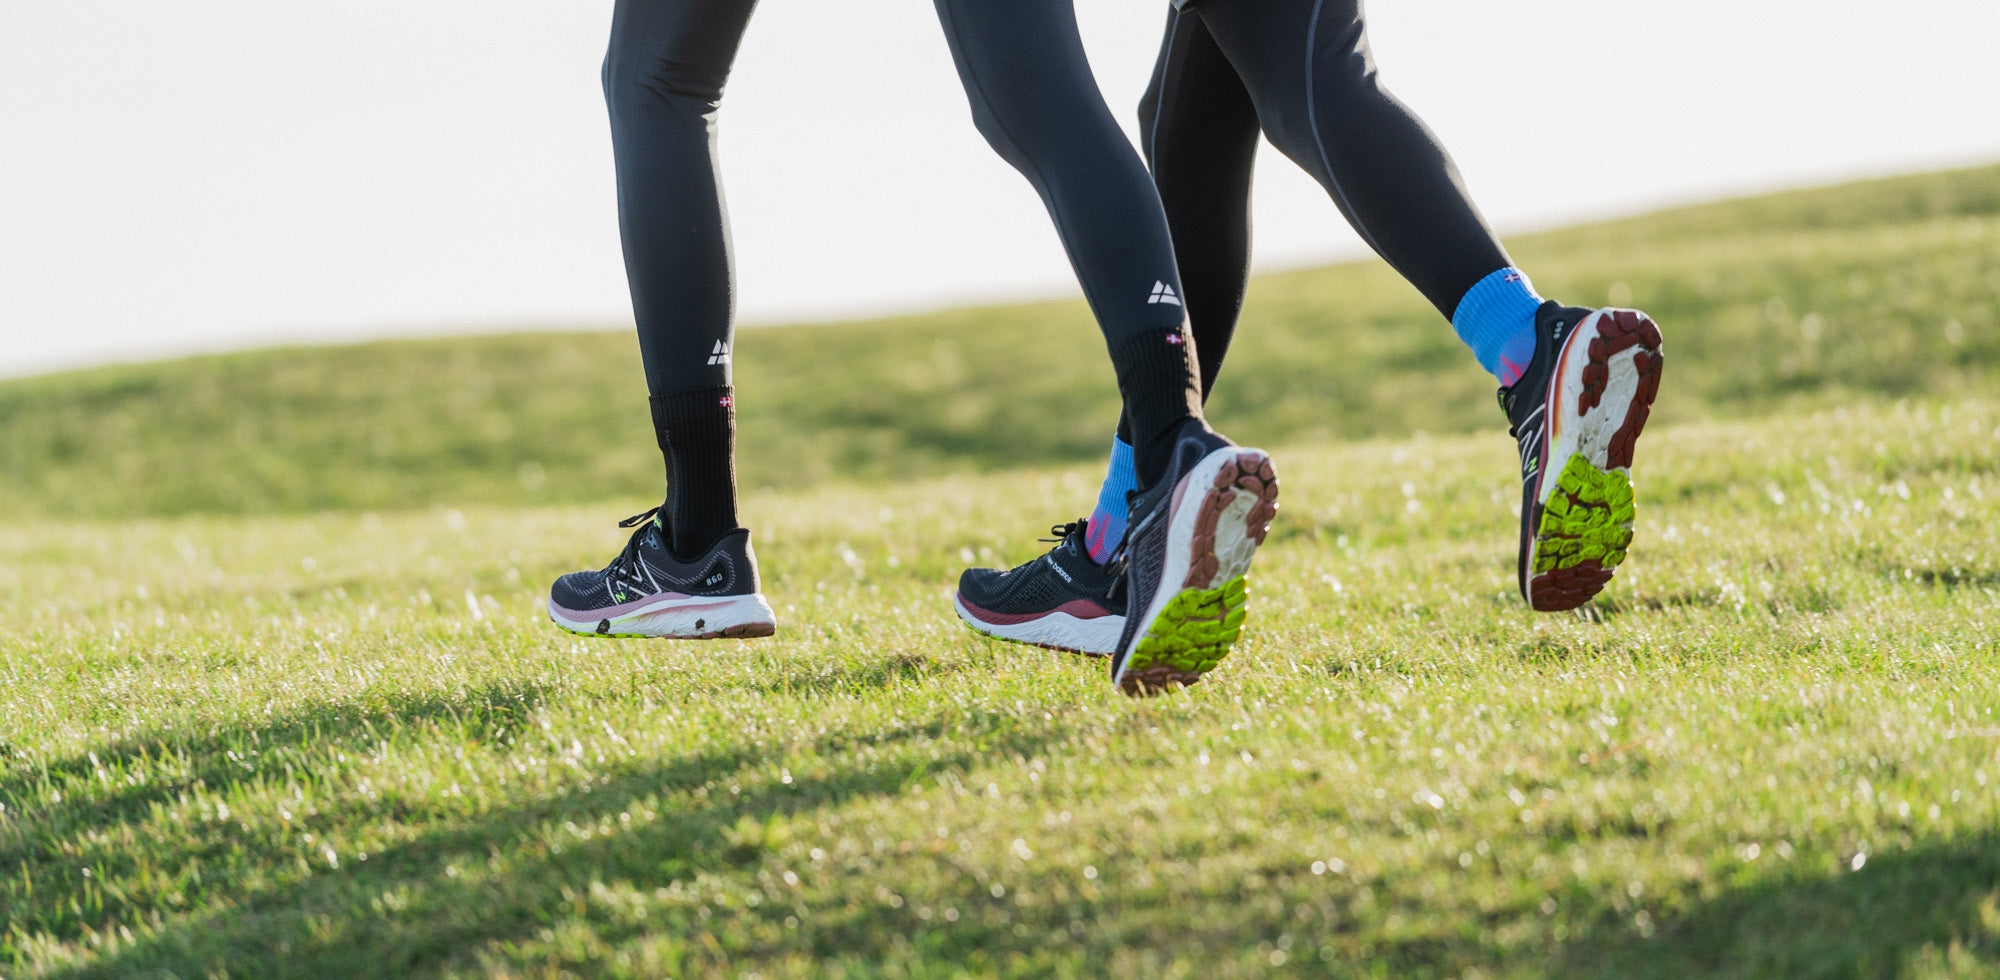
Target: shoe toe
column 575, row 591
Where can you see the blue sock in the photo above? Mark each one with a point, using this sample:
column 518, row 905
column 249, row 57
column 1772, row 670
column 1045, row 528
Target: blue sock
column 1497, row 320
column 1107, row 522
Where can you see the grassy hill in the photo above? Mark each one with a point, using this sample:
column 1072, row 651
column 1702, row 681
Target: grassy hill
column 352, row 745
column 278, row 695
column 1792, row 300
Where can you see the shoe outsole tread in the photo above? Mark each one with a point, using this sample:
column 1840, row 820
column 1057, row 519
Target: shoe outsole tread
column 1585, row 527
column 1188, row 639
column 1585, row 530
column 1200, row 624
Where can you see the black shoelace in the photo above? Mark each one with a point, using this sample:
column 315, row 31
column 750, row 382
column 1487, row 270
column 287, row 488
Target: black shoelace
column 1063, row 532
column 1079, row 528
column 624, row 568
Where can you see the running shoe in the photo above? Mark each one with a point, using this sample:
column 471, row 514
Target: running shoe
column 647, row 591
column 1576, row 414
column 1062, row 600
column 1185, row 559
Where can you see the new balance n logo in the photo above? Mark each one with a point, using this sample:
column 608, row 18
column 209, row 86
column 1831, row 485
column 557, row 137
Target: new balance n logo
column 721, row 353
column 1529, row 436
column 1163, row 293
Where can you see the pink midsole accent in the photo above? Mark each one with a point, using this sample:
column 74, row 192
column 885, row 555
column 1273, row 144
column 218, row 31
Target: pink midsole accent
column 1079, row 608
column 637, row 605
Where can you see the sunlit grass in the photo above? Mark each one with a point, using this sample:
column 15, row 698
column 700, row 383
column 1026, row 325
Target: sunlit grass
column 1786, row 302
column 352, row 744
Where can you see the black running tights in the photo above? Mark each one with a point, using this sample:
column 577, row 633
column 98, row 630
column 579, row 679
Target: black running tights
column 1033, row 98
column 1301, row 71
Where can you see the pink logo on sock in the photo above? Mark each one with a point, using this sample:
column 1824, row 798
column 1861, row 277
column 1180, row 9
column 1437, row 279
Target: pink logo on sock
column 1174, row 338
column 1510, row 372
column 727, row 401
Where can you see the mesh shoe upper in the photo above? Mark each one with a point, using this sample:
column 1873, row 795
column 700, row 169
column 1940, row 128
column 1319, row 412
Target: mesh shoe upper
column 646, row 568
column 1062, row 580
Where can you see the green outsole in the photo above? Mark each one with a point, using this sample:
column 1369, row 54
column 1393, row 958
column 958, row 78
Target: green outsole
column 1588, row 518
column 1195, row 631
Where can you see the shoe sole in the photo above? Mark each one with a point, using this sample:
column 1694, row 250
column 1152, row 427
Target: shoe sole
column 1600, row 396
column 1221, row 512
column 695, row 618
column 1096, row 637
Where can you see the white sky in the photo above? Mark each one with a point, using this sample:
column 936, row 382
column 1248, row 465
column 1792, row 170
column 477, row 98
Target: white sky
column 203, row 174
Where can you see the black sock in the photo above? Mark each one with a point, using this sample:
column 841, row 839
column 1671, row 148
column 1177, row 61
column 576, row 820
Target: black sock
column 1161, row 384
column 697, row 434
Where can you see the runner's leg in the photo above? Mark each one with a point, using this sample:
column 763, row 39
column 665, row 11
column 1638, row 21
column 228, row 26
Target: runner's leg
column 1309, row 71
column 1035, row 100
column 1198, row 129
column 663, row 81
column 1206, row 503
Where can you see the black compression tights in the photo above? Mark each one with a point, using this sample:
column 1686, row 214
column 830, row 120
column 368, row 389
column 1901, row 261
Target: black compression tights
column 1301, row 71
column 1034, row 100
column 663, row 81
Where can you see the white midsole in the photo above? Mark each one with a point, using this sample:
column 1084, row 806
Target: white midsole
column 1199, row 481
column 1571, row 432
column 1059, row 630
column 694, row 616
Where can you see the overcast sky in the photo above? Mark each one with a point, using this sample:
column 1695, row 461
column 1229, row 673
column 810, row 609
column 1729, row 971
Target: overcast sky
column 204, row 174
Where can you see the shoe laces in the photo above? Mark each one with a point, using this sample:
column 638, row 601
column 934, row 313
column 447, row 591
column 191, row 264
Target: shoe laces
column 1063, row 532
column 626, row 566
column 1080, row 528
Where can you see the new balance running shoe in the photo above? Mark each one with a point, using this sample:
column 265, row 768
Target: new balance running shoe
column 647, row 591
column 1576, row 414
column 1062, row 600
column 1186, row 557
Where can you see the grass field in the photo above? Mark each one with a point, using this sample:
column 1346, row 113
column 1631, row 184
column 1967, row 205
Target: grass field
column 277, row 696
column 1790, row 302
column 351, row 744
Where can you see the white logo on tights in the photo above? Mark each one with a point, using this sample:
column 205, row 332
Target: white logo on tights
column 1163, row 293
column 721, row 354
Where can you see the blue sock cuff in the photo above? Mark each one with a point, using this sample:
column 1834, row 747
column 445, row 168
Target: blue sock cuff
column 1119, row 477
column 1498, row 311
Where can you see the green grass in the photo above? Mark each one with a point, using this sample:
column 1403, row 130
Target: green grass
column 1783, row 303
column 350, row 744
column 277, row 696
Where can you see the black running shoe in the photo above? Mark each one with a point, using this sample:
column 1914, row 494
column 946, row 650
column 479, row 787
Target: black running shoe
column 1186, row 555
column 1062, row 600
column 1576, row 414
column 646, row 591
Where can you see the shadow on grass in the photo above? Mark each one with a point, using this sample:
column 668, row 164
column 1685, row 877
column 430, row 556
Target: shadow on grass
column 486, row 883
column 696, row 881
column 227, row 755
column 1931, row 910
